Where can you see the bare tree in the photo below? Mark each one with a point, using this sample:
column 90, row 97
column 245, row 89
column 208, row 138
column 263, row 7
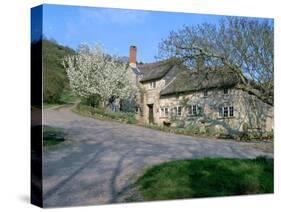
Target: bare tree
column 244, row 45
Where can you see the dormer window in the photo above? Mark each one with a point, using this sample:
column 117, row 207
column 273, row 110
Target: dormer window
column 152, row 84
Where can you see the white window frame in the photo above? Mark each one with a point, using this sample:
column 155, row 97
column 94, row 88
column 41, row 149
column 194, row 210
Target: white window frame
column 226, row 111
column 164, row 112
column 152, row 84
column 176, row 111
column 193, row 110
column 179, row 112
column 231, row 111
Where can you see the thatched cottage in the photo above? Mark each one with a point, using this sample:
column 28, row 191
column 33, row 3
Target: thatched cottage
column 171, row 94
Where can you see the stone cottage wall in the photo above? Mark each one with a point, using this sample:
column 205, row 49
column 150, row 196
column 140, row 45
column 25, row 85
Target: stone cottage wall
column 152, row 96
column 249, row 111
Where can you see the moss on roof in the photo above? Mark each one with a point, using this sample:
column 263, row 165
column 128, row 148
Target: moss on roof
column 157, row 70
column 188, row 81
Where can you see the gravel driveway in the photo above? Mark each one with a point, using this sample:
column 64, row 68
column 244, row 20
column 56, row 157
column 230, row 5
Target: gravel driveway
column 99, row 158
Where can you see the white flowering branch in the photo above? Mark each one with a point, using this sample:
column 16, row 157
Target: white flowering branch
column 92, row 72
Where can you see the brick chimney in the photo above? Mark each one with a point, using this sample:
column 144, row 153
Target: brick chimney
column 133, row 56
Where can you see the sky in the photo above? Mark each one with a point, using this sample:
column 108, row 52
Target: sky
column 115, row 29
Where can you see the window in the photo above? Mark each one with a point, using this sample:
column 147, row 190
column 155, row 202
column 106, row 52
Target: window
column 152, row 84
column 231, row 112
column 179, row 110
column 166, row 112
column 162, row 112
column 225, row 91
column 193, row 110
column 226, row 111
column 205, row 93
column 176, row 111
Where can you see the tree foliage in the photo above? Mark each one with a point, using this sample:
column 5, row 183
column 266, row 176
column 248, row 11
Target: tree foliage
column 92, row 72
column 245, row 45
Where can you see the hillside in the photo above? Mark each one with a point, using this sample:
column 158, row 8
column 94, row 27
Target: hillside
column 55, row 82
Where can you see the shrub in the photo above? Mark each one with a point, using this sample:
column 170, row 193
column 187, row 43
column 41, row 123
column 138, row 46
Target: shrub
column 251, row 136
column 191, row 129
column 94, row 101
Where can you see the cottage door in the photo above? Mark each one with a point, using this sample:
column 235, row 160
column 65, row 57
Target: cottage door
column 150, row 114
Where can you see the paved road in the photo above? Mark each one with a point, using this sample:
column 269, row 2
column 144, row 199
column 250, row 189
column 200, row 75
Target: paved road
column 99, row 158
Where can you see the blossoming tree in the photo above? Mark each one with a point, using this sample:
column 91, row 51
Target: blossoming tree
column 92, row 72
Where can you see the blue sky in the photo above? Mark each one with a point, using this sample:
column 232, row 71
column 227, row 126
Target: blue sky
column 115, row 29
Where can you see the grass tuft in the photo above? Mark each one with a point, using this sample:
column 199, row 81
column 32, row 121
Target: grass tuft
column 52, row 136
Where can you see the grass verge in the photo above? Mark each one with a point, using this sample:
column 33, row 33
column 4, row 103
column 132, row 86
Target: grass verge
column 206, row 178
column 52, row 136
column 100, row 114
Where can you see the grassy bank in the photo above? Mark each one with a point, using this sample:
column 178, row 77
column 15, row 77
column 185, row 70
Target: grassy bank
column 101, row 114
column 206, row 178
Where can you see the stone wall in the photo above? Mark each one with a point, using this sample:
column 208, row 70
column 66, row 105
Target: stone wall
column 249, row 112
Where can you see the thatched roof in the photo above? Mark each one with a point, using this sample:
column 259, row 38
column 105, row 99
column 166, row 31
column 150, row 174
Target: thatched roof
column 153, row 71
column 188, row 81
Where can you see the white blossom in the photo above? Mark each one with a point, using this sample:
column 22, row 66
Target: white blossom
column 92, row 72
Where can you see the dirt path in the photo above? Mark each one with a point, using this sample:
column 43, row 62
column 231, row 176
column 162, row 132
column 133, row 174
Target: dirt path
column 100, row 158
